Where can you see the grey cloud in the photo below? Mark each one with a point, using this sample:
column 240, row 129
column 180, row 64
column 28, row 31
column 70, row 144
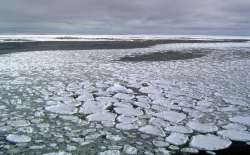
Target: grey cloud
column 125, row 17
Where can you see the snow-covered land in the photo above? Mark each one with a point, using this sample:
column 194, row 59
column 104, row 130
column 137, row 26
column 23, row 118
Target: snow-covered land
column 86, row 101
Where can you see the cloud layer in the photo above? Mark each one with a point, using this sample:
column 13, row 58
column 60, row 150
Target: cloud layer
column 125, row 17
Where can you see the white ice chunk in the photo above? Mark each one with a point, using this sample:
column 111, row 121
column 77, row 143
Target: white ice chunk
column 177, row 138
column 235, row 135
column 130, row 149
column 179, row 129
column 110, row 152
column 245, row 120
column 117, row 88
column 153, row 130
column 209, row 142
column 62, row 109
column 102, row 116
column 19, row 123
column 90, row 107
column 18, row 138
column 126, row 126
column 123, row 96
column 129, row 111
column 202, row 127
column 171, row 116
column 234, row 126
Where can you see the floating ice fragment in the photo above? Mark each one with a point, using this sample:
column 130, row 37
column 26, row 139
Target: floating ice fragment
column 19, row 123
column 190, row 150
column 179, row 129
column 123, row 96
column 153, row 130
column 102, row 116
column 58, row 153
column 130, row 149
column 110, row 152
column 177, row 139
column 18, row 138
column 234, row 126
column 245, row 120
column 235, row 135
column 126, row 126
column 62, row 109
column 90, row 107
column 171, row 116
column 202, row 127
column 117, row 88
column 129, row 111
column 209, row 142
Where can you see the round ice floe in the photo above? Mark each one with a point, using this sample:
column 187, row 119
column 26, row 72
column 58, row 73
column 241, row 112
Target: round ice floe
column 179, row 129
column 90, row 107
column 129, row 111
column 18, row 138
column 171, row 116
column 117, row 88
column 62, row 109
column 102, row 116
column 209, row 142
column 202, row 127
column 235, row 101
column 126, row 126
column 110, row 152
column 153, row 130
column 177, row 139
column 123, row 96
column 235, row 135
column 234, row 126
column 130, row 149
column 245, row 120
column 19, row 123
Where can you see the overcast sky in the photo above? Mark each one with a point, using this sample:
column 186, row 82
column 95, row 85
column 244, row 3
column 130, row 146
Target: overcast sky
column 201, row 17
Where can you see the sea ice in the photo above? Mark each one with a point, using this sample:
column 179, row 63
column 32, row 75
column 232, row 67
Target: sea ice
column 90, row 107
column 62, row 109
column 179, row 129
column 18, row 138
column 129, row 111
column 102, row 116
column 19, row 123
column 177, row 139
column 209, row 142
column 245, row 120
column 234, row 126
column 171, row 116
column 117, row 88
column 130, row 150
column 235, row 135
column 202, row 127
column 153, row 130
column 110, row 152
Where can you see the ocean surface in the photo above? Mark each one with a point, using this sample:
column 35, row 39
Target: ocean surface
column 124, row 95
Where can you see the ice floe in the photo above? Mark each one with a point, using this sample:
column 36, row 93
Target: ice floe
column 209, row 142
column 102, row 116
column 62, row 109
column 130, row 149
column 177, row 139
column 235, row 135
column 171, row 116
column 245, row 120
column 153, row 130
column 18, row 138
column 179, row 129
column 202, row 127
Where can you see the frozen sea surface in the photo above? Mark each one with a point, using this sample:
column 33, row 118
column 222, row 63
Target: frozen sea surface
column 88, row 102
